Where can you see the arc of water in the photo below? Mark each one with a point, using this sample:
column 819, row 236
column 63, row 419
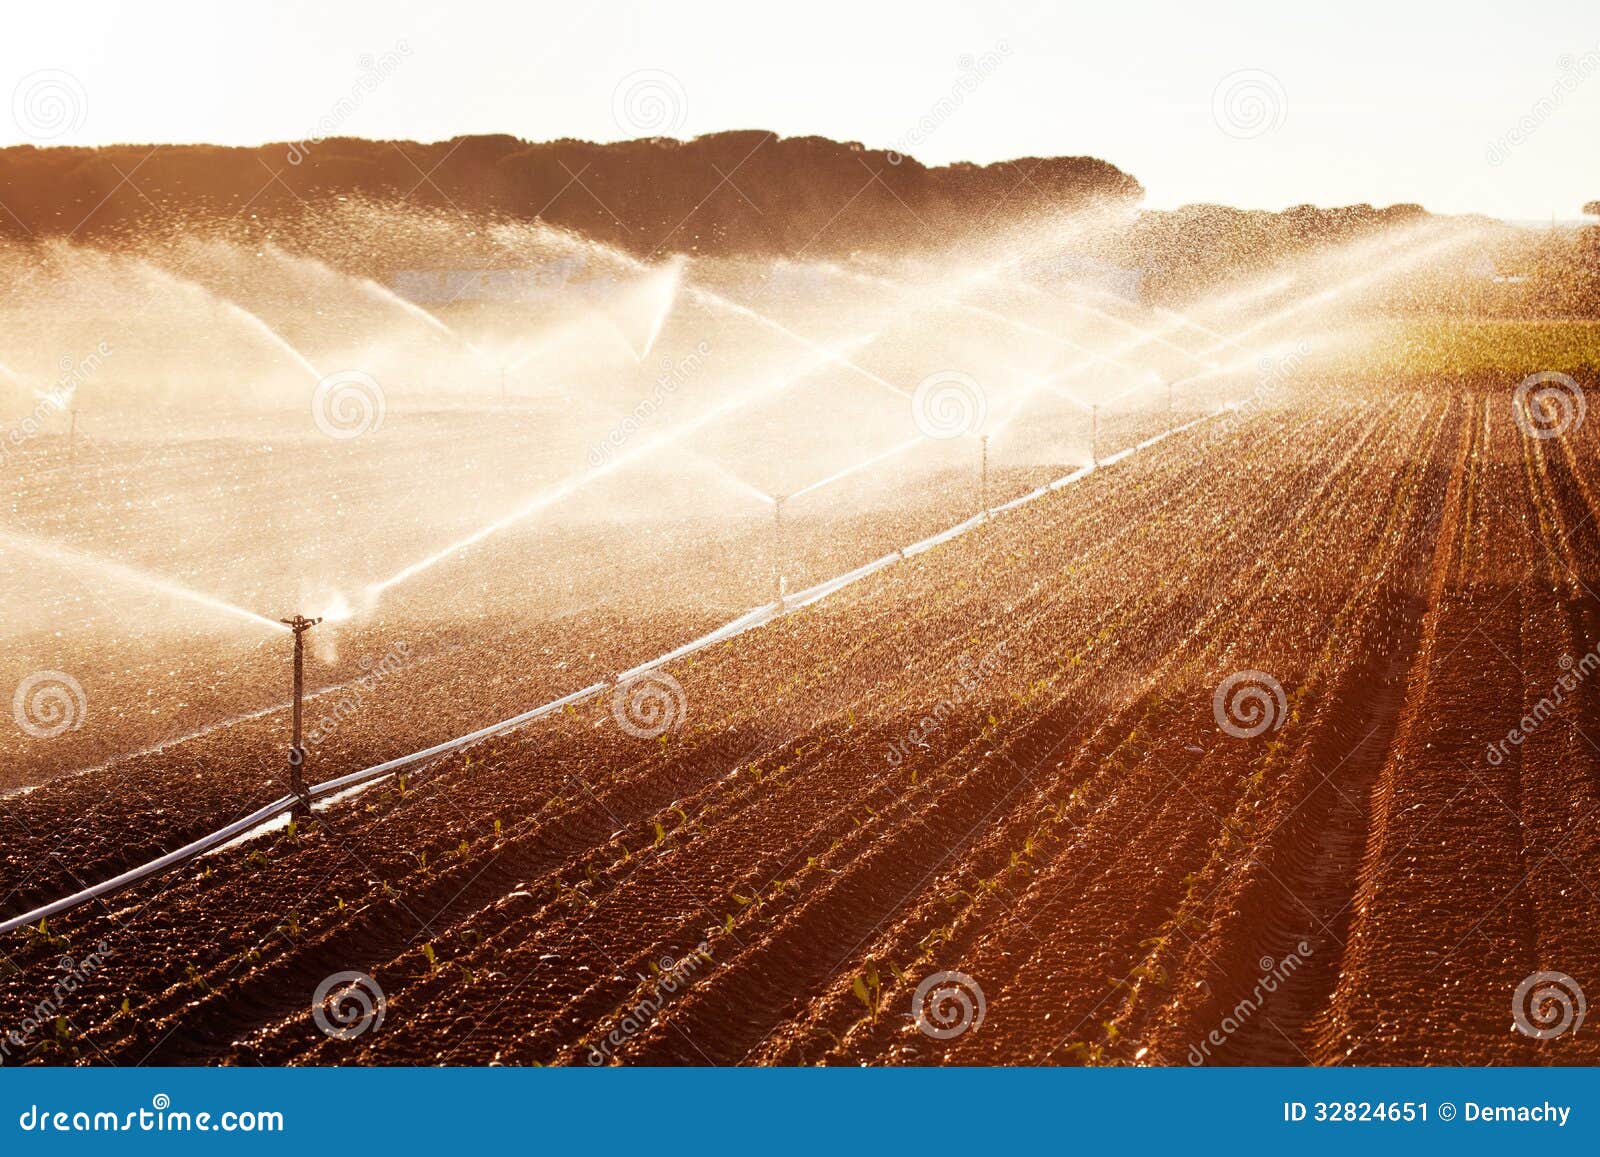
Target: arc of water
column 716, row 300
column 130, row 575
column 426, row 317
column 271, row 335
column 858, row 467
column 251, row 320
column 1344, row 288
column 574, row 484
column 1177, row 320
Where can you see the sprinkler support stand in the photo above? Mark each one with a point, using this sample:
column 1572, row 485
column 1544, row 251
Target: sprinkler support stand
column 297, row 754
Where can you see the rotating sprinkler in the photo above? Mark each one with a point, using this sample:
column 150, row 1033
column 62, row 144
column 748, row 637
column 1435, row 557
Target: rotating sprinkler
column 297, row 754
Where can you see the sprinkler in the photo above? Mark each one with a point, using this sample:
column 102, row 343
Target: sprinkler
column 297, row 754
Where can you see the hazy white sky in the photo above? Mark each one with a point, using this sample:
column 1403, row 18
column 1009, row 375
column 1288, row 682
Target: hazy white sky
column 1474, row 105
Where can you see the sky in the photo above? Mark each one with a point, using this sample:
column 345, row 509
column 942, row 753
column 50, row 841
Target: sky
column 1468, row 107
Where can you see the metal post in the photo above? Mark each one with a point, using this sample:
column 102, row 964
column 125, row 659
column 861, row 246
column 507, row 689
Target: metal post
column 777, row 546
column 297, row 754
column 983, row 475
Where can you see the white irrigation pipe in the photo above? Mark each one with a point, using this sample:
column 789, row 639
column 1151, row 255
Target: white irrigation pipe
column 750, row 620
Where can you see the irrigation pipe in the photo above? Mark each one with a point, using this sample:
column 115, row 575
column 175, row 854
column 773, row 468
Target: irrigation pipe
column 750, row 620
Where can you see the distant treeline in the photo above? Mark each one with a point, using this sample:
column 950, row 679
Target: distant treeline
column 749, row 193
column 727, row 193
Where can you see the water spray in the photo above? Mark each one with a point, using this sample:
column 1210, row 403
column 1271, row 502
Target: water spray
column 983, row 473
column 777, row 547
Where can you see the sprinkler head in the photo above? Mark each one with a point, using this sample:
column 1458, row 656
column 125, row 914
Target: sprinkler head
column 300, row 624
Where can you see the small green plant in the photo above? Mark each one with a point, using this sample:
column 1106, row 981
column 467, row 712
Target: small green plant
column 433, row 960
column 869, row 989
column 195, row 979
